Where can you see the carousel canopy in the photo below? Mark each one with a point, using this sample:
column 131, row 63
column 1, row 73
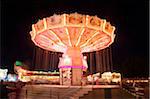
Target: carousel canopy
column 59, row 32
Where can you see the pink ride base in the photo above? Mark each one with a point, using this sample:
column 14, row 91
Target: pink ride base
column 82, row 67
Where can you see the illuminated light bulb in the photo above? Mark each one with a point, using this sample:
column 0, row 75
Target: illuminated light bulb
column 67, row 60
column 85, row 57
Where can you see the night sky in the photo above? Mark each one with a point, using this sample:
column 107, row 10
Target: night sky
column 130, row 17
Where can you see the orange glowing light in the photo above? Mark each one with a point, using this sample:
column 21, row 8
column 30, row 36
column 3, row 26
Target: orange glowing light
column 59, row 32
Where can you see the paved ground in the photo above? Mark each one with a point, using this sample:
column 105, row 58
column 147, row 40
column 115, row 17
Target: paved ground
column 73, row 92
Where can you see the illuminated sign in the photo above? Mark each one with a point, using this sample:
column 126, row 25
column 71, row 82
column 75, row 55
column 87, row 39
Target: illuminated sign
column 18, row 63
column 12, row 77
column 3, row 74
